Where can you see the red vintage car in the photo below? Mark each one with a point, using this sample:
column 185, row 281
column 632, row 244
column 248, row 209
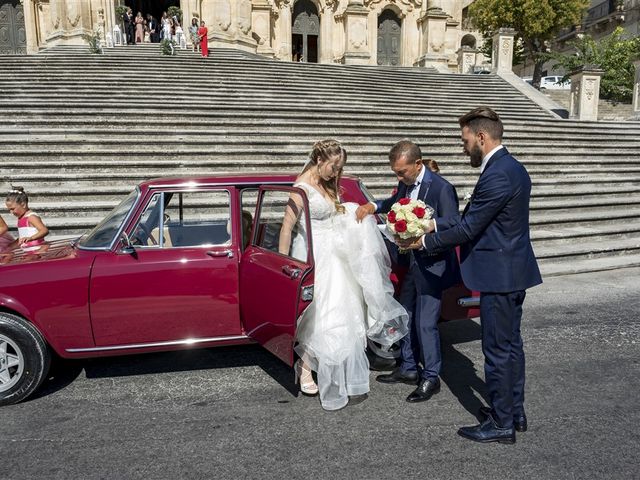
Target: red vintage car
column 179, row 263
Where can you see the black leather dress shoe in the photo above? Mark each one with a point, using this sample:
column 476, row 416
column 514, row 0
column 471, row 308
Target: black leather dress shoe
column 396, row 376
column 426, row 389
column 487, row 432
column 519, row 421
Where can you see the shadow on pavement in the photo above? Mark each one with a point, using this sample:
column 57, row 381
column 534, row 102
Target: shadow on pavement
column 64, row 372
column 458, row 371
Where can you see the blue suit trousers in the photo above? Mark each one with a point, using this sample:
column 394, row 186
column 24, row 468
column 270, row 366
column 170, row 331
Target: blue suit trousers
column 500, row 316
column 422, row 343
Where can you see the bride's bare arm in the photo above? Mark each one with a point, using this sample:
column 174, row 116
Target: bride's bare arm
column 291, row 215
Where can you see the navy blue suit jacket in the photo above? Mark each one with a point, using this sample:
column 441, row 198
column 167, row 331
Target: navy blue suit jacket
column 441, row 270
column 493, row 233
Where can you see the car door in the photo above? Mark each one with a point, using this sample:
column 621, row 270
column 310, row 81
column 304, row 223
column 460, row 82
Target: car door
column 276, row 271
column 179, row 278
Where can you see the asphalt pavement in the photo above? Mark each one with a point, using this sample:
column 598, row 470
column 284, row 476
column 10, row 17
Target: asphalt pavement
column 234, row 412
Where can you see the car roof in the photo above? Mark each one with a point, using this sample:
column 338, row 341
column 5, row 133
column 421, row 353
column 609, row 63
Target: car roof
column 228, row 179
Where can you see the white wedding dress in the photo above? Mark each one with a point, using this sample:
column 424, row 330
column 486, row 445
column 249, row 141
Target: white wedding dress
column 353, row 299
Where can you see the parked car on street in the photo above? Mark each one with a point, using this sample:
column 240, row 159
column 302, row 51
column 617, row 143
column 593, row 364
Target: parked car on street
column 179, row 263
column 552, row 82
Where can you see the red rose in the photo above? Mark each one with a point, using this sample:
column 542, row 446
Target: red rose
column 401, row 226
column 391, row 217
column 419, row 212
column 394, row 191
column 404, row 201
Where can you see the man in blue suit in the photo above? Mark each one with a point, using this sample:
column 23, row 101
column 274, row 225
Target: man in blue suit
column 428, row 275
column 496, row 259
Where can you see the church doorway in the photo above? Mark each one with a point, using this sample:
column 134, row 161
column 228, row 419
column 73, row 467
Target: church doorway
column 13, row 36
column 305, row 32
column 153, row 7
column 389, row 38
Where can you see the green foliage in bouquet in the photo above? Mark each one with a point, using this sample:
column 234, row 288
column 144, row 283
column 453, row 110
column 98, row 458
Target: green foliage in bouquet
column 94, row 42
column 167, row 47
column 536, row 23
column 614, row 54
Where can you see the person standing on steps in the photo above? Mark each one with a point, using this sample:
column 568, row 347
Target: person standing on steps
column 498, row 261
column 193, row 32
column 139, row 28
column 204, row 41
column 129, row 26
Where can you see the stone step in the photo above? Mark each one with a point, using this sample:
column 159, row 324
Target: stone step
column 444, row 122
column 573, row 265
column 589, row 249
column 16, row 137
column 24, row 131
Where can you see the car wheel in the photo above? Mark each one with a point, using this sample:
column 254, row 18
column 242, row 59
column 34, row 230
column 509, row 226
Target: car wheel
column 24, row 359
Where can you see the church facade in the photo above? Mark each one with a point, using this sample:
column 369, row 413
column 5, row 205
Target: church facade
column 365, row 32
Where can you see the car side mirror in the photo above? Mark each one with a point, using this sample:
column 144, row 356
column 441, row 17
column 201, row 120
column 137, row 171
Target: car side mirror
column 127, row 246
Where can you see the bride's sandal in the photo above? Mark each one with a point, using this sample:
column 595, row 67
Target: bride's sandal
column 305, row 378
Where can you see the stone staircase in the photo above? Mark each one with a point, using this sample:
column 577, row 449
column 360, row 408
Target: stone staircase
column 79, row 131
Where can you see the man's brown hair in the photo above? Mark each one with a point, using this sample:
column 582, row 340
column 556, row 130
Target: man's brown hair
column 407, row 149
column 483, row 119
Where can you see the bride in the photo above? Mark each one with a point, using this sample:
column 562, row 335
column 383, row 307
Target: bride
column 353, row 295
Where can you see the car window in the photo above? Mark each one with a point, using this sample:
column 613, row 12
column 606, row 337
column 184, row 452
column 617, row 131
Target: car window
column 280, row 226
column 146, row 233
column 185, row 219
column 103, row 234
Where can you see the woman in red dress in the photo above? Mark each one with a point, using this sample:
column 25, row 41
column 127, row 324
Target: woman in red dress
column 204, row 42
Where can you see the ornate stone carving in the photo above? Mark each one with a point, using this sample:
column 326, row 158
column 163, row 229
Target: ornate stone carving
column 244, row 16
column 409, row 4
column 223, row 14
column 73, row 13
column 590, row 88
column 358, row 37
column 506, row 47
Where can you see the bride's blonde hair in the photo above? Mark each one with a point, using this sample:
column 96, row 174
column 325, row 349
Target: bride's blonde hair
column 326, row 150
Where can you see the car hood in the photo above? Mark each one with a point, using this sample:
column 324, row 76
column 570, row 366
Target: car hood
column 56, row 250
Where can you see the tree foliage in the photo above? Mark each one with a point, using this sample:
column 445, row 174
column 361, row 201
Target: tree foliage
column 536, row 22
column 614, row 54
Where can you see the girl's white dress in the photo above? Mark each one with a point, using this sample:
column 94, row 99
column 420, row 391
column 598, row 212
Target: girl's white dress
column 353, row 299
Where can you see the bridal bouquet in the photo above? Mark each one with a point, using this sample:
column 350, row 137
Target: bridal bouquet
column 409, row 218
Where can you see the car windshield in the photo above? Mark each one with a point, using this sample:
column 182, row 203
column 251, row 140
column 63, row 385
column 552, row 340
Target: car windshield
column 103, row 234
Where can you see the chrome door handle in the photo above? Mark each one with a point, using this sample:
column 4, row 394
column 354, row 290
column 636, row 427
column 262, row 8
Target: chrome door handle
column 221, row 253
column 293, row 272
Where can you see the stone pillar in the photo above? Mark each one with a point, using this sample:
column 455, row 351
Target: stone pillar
column 284, row 23
column 502, row 58
column 585, row 93
column 636, row 92
column 31, row 24
column 433, row 26
column 261, row 26
column 229, row 23
column 357, row 51
column 466, row 59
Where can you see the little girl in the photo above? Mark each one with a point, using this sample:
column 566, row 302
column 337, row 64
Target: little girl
column 31, row 230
